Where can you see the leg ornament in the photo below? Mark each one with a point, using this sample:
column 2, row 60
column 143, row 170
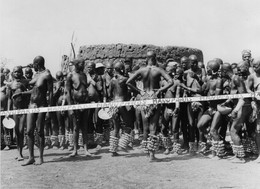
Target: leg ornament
column 47, row 142
column 113, row 144
column 153, row 143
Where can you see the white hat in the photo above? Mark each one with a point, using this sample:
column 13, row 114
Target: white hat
column 99, row 65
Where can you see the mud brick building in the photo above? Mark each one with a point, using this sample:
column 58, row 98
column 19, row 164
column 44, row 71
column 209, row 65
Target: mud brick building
column 117, row 52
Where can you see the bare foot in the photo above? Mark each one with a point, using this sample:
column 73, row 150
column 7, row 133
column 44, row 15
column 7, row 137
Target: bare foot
column 39, row 162
column 167, row 151
column 238, row 160
column 46, row 147
column 20, row 158
column 62, row 148
column 257, row 160
column 55, row 147
column 71, row 148
column 214, row 157
column 29, row 162
column 87, row 154
column 123, row 149
column 73, row 154
column 7, row 148
column 114, row 154
column 154, row 159
column 192, row 153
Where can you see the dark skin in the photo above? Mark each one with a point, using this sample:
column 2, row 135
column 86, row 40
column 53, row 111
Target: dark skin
column 214, row 86
column 255, row 78
column 6, row 72
column 107, row 77
column 41, row 85
column 247, row 57
column 118, row 92
column 193, row 79
column 3, row 91
column 150, row 76
column 18, row 85
column 59, row 96
column 242, row 111
column 4, row 100
column 170, row 93
column 185, row 63
column 219, row 120
column 95, row 83
column 51, row 117
column 96, row 92
column 175, row 91
column 76, row 87
column 28, row 73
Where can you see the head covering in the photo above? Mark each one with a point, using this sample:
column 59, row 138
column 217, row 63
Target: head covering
column 246, row 51
column 172, row 64
column 99, row 65
column 169, row 60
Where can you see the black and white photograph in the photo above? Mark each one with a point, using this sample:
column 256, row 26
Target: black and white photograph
column 130, row 94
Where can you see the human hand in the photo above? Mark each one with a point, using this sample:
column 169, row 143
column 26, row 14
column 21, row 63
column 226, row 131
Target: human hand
column 7, row 116
column 71, row 113
column 234, row 114
column 16, row 95
column 176, row 112
column 92, row 82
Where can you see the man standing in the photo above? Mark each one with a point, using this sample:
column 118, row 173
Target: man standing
column 242, row 113
column 118, row 92
column 150, row 76
column 18, row 85
column 194, row 81
column 247, row 57
column 76, row 88
column 255, row 77
column 214, row 86
column 42, row 84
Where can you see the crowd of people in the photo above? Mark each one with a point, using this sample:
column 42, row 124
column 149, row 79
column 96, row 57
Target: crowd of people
column 180, row 128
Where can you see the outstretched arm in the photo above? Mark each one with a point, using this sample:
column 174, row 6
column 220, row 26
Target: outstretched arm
column 168, row 79
column 197, row 90
column 132, row 79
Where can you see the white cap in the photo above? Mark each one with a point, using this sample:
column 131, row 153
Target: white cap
column 99, row 65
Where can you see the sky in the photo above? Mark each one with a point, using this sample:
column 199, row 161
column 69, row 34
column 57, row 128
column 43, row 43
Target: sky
column 220, row 28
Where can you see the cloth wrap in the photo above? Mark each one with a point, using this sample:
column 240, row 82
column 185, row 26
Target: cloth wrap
column 151, row 108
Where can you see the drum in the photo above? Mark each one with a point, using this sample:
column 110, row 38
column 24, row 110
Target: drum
column 224, row 110
column 103, row 114
column 8, row 123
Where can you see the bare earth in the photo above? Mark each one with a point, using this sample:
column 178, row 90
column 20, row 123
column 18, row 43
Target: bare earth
column 131, row 170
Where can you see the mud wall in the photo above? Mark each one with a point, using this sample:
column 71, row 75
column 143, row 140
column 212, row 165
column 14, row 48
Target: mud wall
column 115, row 52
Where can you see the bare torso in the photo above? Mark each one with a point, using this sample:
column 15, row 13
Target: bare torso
column 119, row 88
column 151, row 77
column 3, row 97
column 40, row 88
column 193, row 79
column 18, row 86
column 94, row 88
column 240, row 86
column 79, row 87
column 59, row 96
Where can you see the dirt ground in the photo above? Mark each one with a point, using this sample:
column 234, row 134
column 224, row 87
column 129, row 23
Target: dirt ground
column 130, row 170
